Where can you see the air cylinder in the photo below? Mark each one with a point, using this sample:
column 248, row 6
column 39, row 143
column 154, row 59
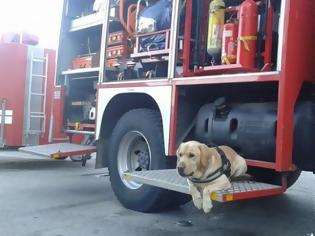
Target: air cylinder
column 215, row 30
column 248, row 30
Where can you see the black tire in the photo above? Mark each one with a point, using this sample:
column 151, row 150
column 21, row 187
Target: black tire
column 145, row 198
column 80, row 158
column 61, row 158
column 272, row 177
column 293, row 177
column 76, row 158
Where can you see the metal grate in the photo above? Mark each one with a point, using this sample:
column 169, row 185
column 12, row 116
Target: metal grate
column 169, row 179
column 63, row 149
column 247, row 186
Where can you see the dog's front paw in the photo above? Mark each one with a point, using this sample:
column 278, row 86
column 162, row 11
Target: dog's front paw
column 207, row 205
column 198, row 203
column 207, row 208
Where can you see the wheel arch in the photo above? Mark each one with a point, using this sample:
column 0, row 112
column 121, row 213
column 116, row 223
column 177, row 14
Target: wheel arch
column 111, row 107
column 119, row 105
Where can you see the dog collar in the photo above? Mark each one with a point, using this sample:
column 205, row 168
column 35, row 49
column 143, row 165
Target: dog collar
column 225, row 169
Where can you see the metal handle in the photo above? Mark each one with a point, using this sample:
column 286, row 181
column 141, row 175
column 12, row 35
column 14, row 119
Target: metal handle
column 3, row 111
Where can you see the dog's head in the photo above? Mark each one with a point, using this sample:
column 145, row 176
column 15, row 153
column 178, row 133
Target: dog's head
column 192, row 159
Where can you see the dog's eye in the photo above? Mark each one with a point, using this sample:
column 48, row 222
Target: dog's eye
column 191, row 155
column 180, row 154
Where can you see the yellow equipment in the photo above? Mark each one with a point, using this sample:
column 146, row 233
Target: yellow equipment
column 215, row 29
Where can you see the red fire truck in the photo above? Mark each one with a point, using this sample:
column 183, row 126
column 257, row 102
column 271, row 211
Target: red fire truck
column 30, row 104
column 27, row 76
column 160, row 72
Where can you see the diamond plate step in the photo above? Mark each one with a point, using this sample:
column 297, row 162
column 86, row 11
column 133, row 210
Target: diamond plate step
column 169, row 179
column 59, row 150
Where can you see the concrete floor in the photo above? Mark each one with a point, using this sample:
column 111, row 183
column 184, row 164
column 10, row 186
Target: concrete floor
column 60, row 198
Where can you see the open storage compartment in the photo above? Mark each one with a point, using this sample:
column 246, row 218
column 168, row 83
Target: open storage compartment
column 135, row 49
column 80, row 105
column 79, row 8
column 229, row 37
column 213, row 38
column 79, row 62
column 80, row 50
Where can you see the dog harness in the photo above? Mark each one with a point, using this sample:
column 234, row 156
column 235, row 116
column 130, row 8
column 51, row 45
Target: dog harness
column 225, row 169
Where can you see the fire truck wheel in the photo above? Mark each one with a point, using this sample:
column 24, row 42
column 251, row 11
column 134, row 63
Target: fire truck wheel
column 61, row 158
column 137, row 144
column 76, row 158
column 270, row 176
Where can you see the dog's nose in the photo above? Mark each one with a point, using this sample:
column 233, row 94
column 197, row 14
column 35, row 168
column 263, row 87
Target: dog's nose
column 180, row 170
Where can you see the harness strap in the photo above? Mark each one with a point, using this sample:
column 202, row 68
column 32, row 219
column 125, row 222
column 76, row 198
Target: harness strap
column 226, row 164
column 224, row 169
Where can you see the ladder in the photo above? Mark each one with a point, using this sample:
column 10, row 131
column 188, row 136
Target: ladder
column 37, row 92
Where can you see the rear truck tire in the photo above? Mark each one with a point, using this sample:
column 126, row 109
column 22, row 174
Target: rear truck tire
column 61, row 158
column 76, row 158
column 80, row 158
column 272, row 177
column 137, row 144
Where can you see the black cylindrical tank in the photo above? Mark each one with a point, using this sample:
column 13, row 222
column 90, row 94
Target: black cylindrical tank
column 251, row 130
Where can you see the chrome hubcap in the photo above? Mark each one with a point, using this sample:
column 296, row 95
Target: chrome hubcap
column 134, row 155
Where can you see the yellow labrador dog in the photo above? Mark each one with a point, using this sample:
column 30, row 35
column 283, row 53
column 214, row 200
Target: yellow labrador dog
column 208, row 170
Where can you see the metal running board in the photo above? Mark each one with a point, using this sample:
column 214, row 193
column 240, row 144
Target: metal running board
column 169, row 179
column 59, row 150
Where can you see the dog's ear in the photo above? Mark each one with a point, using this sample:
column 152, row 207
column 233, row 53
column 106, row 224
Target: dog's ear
column 204, row 155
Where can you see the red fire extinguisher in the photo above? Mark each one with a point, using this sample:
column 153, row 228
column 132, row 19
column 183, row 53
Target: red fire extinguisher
column 229, row 47
column 248, row 30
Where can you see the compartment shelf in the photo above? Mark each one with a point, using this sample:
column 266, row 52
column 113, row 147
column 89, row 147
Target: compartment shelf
column 87, row 21
column 79, row 103
column 81, row 71
column 273, row 76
